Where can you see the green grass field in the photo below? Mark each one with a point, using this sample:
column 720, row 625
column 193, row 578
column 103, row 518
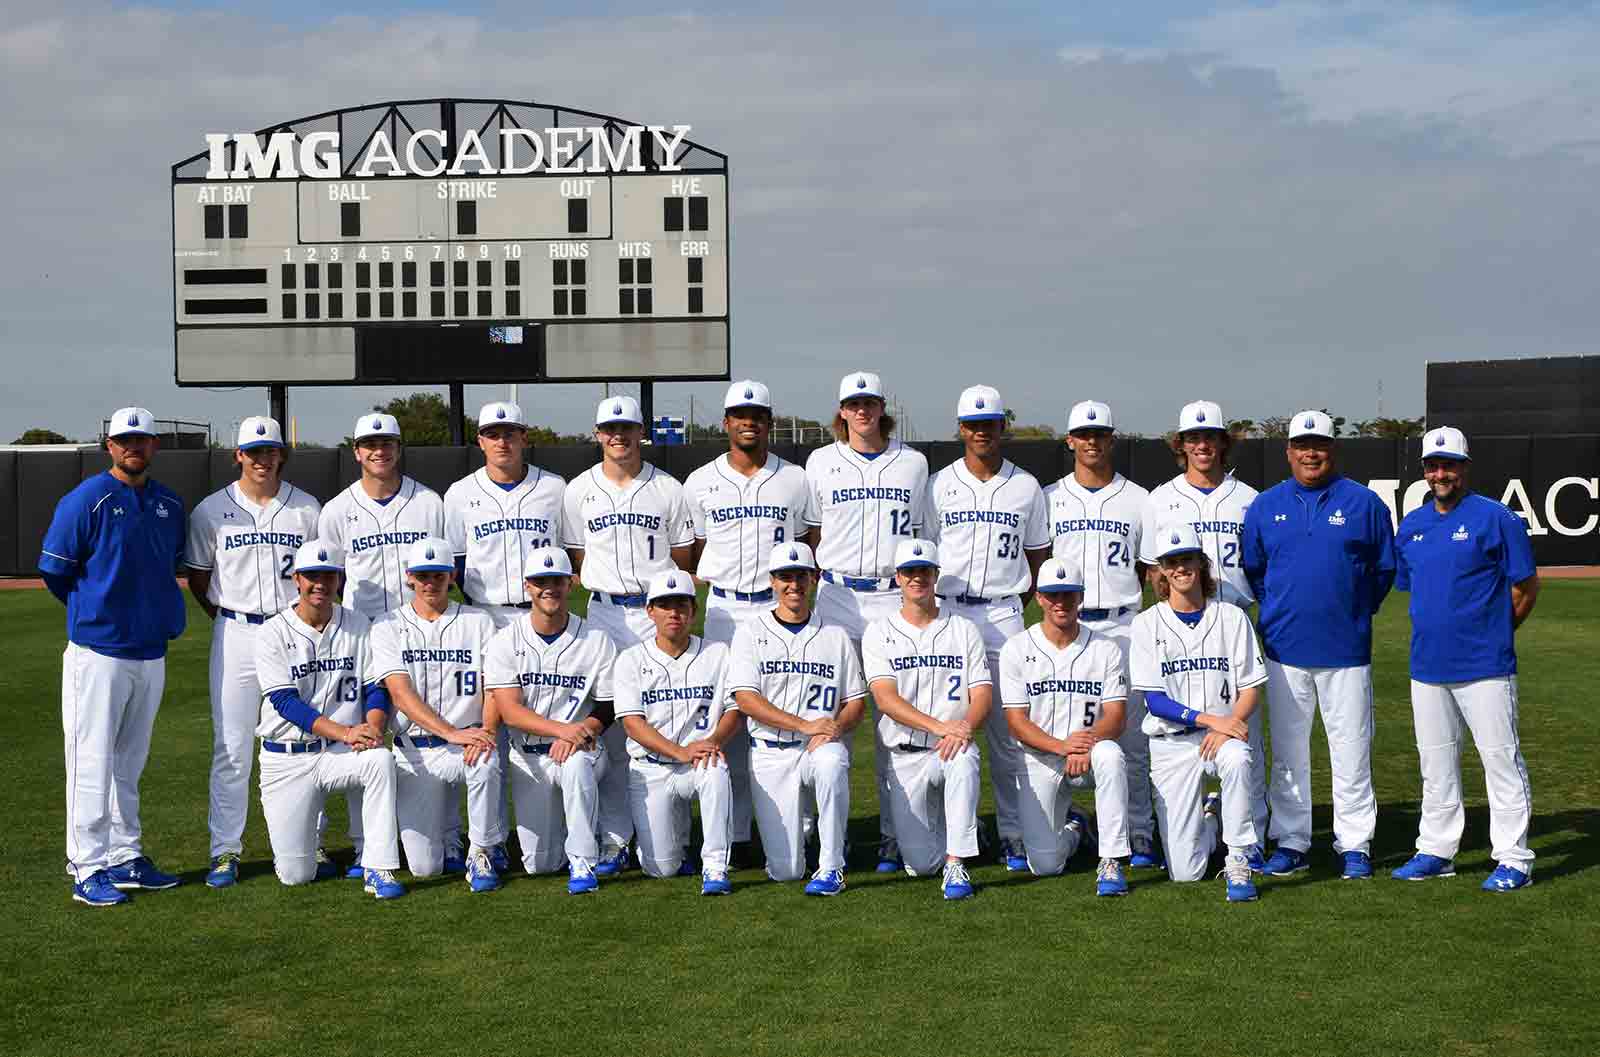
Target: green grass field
column 1029, row 966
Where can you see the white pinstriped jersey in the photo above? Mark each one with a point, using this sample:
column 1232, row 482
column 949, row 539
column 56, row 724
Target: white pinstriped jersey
column 374, row 537
column 1101, row 530
column 249, row 549
column 1062, row 689
column 627, row 534
column 1202, row 668
column 443, row 658
column 494, row 528
column 1217, row 517
column 740, row 518
column 682, row 697
column 865, row 506
column 808, row 673
column 983, row 528
column 559, row 680
column 933, row 668
column 328, row 669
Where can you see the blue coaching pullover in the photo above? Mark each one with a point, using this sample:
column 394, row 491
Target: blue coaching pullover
column 1321, row 561
column 111, row 555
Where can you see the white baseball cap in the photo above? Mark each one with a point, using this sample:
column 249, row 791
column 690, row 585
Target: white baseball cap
column 126, row 421
column 546, row 561
column 258, row 431
column 376, row 424
column 501, row 413
column 674, row 583
column 1202, row 414
column 318, row 556
column 430, row 554
column 1177, row 538
column 1089, row 414
column 915, row 554
column 1446, row 442
column 861, row 383
column 1058, row 574
column 618, row 409
column 979, row 403
column 747, row 394
column 793, row 555
column 1310, row 424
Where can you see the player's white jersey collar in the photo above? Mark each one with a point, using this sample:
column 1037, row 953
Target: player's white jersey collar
column 492, row 489
column 968, row 478
column 408, row 613
column 845, row 450
column 1169, row 619
column 666, row 660
column 1072, row 649
column 1229, row 484
column 898, row 621
column 536, row 641
column 770, row 619
column 341, row 618
column 1070, row 483
column 381, row 511
column 266, row 510
column 724, row 468
column 647, row 473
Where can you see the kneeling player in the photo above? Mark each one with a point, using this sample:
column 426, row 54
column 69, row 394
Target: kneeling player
column 1064, row 693
column 1197, row 663
column 799, row 685
column 669, row 700
column 549, row 676
column 429, row 655
column 322, row 720
column 929, row 674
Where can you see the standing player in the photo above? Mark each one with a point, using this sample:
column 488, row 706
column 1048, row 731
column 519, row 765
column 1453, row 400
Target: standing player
column 669, row 700
column 110, row 556
column 740, row 505
column 929, row 674
column 623, row 521
column 992, row 526
column 798, row 683
column 242, row 541
column 428, row 654
column 1065, row 688
column 322, row 720
column 1319, row 552
column 1197, row 664
column 549, row 676
column 868, row 492
column 1469, row 567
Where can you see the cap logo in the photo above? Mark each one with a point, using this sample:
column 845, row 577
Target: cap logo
column 917, row 551
column 1175, row 537
column 322, row 556
column 1199, row 416
column 377, row 423
column 749, row 394
column 861, row 383
column 429, row 554
column 1061, row 572
column 672, row 583
column 616, row 409
column 794, row 555
column 549, row 563
column 980, row 403
column 500, row 412
column 1310, row 423
column 1091, row 415
column 1438, row 441
column 133, row 420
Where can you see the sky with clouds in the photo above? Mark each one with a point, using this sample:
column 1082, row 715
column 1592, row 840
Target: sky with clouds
column 1272, row 206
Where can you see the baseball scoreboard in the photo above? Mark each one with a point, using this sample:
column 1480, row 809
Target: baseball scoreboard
column 450, row 240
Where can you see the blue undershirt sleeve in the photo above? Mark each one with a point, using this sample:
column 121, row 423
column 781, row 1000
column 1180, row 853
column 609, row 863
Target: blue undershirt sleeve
column 1168, row 709
column 289, row 705
column 376, row 697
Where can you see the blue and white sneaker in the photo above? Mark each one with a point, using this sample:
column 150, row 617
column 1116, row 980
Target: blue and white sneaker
column 1241, row 885
column 1077, row 820
column 141, row 874
column 481, row 874
column 889, row 860
column 715, row 883
column 1507, row 878
column 1146, row 855
column 580, row 878
column 1014, row 855
column 1285, row 861
column 96, row 890
column 957, row 882
column 1357, row 866
column 382, row 884
column 687, row 868
column 825, row 883
column 1422, row 866
column 499, row 858
column 224, row 870
column 1109, row 879
column 454, row 860
column 1257, row 859
column 327, row 869
column 613, row 860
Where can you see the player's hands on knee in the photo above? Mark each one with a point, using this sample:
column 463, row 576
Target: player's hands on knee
column 952, row 745
column 362, row 736
column 702, row 753
column 1077, row 765
column 827, row 729
column 1227, row 726
column 1213, row 743
column 474, row 751
column 472, row 738
column 1082, row 741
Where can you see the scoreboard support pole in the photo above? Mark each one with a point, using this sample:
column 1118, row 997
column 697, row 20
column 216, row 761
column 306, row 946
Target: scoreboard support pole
column 458, row 412
column 278, row 405
column 647, row 405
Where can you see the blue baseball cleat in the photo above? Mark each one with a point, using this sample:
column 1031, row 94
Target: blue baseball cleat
column 1285, row 861
column 1507, row 878
column 382, row 884
column 889, row 860
column 499, row 858
column 1241, row 884
column 354, row 872
column 825, row 883
column 715, row 883
column 454, row 861
column 327, row 869
column 687, row 868
column 957, row 882
column 1257, row 859
column 1422, row 866
column 481, row 874
column 1357, row 866
column 1110, row 880
column 1146, row 855
column 224, row 870
column 96, row 890
column 580, row 878
column 1014, row 855
column 140, row 875
column 613, row 860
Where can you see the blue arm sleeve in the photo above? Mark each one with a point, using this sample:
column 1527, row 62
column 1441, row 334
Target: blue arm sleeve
column 376, row 697
column 289, row 705
column 60, row 586
column 1167, row 708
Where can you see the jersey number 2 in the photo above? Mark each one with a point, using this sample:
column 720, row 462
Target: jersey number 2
column 287, row 572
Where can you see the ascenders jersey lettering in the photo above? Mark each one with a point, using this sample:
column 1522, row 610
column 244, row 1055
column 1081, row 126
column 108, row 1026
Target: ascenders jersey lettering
column 740, row 518
column 443, row 658
column 1218, row 519
column 809, row 673
column 328, row 669
column 983, row 529
column 682, row 697
column 559, row 680
column 933, row 668
column 375, row 536
column 865, row 506
column 1103, row 531
column 1064, row 690
column 1202, row 668
column 249, row 549
column 627, row 534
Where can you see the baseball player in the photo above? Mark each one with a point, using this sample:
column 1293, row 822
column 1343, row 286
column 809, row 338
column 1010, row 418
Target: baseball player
column 428, row 655
column 740, row 506
column 549, row 676
column 1064, row 688
column 321, row 729
column 1319, row 552
column 798, row 683
column 1097, row 520
column 1197, row 663
column 669, row 700
column 1468, row 564
column 991, row 523
column 929, row 674
column 242, row 540
column 110, row 556
column 868, row 492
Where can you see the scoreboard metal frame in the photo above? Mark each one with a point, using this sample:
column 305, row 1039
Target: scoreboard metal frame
column 541, row 304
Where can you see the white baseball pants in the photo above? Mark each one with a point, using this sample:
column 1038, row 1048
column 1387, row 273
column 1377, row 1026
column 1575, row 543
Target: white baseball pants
column 1134, row 741
column 723, row 617
column 1488, row 707
column 557, row 805
column 853, row 611
column 1047, row 798
column 503, row 616
column 627, row 625
column 1344, row 697
column 1179, row 776
column 935, row 806
column 997, row 622
column 293, row 788
column 235, row 711
column 427, row 803
column 778, row 779
column 659, row 795
column 108, row 710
